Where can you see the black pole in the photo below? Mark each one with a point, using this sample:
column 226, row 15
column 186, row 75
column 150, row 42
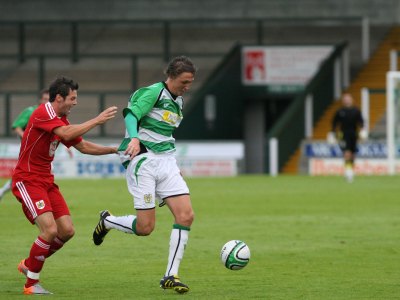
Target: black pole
column 259, row 32
column 74, row 42
column 134, row 78
column 42, row 72
column 21, row 42
column 7, row 118
column 166, row 41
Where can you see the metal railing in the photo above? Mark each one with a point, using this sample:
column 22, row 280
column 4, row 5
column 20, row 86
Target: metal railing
column 101, row 104
column 76, row 28
column 166, row 25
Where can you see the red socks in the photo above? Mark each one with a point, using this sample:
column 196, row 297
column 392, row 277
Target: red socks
column 39, row 251
column 55, row 246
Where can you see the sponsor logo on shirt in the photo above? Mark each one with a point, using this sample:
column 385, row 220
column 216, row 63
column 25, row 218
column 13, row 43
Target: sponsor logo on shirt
column 170, row 117
column 40, row 204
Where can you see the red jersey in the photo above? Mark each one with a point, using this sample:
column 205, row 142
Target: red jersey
column 39, row 144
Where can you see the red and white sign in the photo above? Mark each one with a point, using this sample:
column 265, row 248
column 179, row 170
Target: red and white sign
column 208, row 167
column 320, row 166
column 281, row 65
column 254, row 66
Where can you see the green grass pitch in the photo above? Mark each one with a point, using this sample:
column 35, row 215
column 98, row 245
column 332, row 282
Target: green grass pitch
column 310, row 238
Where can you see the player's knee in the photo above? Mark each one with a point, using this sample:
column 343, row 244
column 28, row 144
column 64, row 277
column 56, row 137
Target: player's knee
column 49, row 233
column 144, row 229
column 185, row 218
column 67, row 234
column 190, row 217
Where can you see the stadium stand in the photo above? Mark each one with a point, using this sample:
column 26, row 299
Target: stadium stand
column 112, row 49
column 119, row 56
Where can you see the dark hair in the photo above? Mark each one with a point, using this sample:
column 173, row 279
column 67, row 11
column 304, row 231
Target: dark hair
column 61, row 86
column 179, row 65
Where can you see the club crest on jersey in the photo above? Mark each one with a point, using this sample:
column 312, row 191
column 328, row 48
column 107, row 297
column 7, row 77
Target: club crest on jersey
column 40, row 204
column 147, row 198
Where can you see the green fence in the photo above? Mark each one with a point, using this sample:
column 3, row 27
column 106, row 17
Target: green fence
column 224, row 84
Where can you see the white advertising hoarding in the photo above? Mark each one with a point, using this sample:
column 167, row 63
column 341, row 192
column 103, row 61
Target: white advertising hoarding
column 281, row 65
column 371, row 158
column 194, row 159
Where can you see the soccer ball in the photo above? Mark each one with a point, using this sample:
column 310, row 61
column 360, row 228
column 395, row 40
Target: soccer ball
column 235, row 255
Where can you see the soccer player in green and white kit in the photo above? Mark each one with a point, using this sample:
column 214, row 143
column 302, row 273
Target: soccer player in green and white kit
column 19, row 125
column 152, row 174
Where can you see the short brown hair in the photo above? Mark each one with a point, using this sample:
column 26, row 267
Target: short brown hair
column 178, row 65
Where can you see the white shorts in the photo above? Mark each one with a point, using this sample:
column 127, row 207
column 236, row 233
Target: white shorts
column 152, row 177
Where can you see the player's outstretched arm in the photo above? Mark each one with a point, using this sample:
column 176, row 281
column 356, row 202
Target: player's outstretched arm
column 70, row 132
column 19, row 131
column 87, row 147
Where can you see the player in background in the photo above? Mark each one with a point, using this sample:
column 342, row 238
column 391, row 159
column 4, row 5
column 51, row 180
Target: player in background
column 152, row 174
column 33, row 183
column 21, row 121
column 19, row 125
column 347, row 126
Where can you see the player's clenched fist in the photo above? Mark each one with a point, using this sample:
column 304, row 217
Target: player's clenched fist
column 107, row 114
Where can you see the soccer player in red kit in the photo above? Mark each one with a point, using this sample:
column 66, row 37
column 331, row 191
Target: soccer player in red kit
column 33, row 183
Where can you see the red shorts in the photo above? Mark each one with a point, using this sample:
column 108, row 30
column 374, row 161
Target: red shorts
column 39, row 197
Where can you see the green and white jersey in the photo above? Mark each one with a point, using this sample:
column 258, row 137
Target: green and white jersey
column 23, row 118
column 158, row 114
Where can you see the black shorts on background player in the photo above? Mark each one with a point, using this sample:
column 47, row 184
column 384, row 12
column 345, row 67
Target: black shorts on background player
column 346, row 124
column 348, row 141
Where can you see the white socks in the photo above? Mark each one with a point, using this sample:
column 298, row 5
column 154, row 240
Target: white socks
column 123, row 223
column 349, row 174
column 178, row 240
column 177, row 244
